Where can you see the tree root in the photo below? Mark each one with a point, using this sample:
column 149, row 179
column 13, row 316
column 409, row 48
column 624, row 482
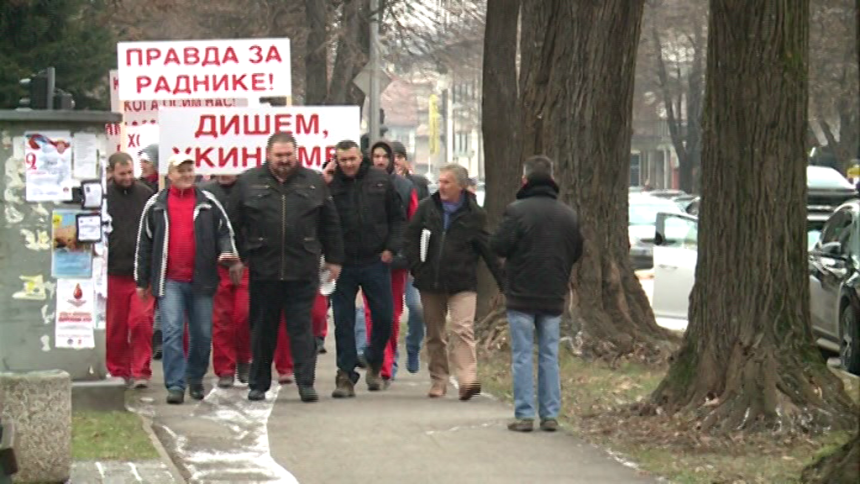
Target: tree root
column 840, row 467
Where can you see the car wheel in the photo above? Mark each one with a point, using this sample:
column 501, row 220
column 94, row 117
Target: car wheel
column 849, row 344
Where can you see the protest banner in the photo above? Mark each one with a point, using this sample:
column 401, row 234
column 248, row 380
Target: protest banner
column 141, row 117
column 204, row 69
column 231, row 140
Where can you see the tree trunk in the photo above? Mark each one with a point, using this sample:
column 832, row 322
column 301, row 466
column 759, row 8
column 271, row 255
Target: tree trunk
column 841, row 467
column 748, row 359
column 352, row 53
column 316, row 60
column 577, row 73
column 499, row 125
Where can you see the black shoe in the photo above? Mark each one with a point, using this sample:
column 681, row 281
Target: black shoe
column 243, row 372
column 175, row 397
column 225, row 381
column 308, row 394
column 196, row 391
column 157, row 352
column 321, row 346
column 256, row 395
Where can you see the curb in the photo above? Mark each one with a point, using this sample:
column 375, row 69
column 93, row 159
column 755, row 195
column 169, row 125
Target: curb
column 147, row 424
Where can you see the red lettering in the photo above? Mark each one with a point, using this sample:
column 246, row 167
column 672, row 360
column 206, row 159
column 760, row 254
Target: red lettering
column 273, row 54
column 221, row 83
column 283, row 123
column 230, row 56
column 128, row 55
column 151, row 55
column 172, row 56
column 307, row 126
column 162, row 85
column 257, row 130
column 257, row 82
column 203, row 156
column 258, row 54
column 134, row 140
column 229, row 124
column 239, row 81
column 310, row 159
column 247, row 156
column 143, row 81
column 192, row 55
column 228, row 158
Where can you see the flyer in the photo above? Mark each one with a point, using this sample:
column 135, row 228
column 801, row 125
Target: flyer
column 69, row 258
column 86, row 156
column 75, row 314
column 48, row 158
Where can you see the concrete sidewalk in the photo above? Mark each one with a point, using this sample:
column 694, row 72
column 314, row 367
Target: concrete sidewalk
column 402, row 436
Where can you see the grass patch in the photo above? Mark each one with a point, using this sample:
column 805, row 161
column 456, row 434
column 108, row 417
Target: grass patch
column 595, row 395
column 110, row 436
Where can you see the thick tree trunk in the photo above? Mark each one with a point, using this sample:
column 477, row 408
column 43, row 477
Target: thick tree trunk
column 841, row 467
column 748, row 359
column 316, row 60
column 499, row 125
column 577, row 72
column 352, row 52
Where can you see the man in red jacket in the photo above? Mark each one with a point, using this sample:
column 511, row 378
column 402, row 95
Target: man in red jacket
column 129, row 320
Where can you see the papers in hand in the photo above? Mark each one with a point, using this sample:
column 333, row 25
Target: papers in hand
column 327, row 284
column 425, row 244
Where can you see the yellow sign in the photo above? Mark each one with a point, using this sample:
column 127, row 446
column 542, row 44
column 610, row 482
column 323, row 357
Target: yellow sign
column 854, row 171
column 433, row 124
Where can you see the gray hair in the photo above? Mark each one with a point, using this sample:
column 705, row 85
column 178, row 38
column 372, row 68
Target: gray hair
column 461, row 174
column 537, row 167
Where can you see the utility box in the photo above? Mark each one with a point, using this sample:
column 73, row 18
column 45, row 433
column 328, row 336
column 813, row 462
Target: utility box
column 46, row 276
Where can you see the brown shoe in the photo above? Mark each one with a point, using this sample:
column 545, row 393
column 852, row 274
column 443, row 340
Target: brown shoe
column 438, row 390
column 549, row 424
column 522, row 425
column 373, row 378
column 345, row 387
column 470, row 390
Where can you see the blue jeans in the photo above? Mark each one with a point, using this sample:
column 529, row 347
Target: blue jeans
column 360, row 330
column 523, row 327
column 375, row 282
column 179, row 301
column 415, row 333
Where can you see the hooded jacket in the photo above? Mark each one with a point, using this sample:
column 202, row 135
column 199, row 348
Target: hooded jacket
column 405, row 190
column 125, row 206
column 540, row 239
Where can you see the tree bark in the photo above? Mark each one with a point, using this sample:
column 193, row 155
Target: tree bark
column 352, row 53
column 748, row 360
column 841, row 467
column 576, row 79
column 499, row 127
column 316, row 60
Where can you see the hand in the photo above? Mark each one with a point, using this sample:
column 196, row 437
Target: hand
column 387, row 257
column 143, row 293
column 334, row 271
column 237, row 270
column 228, row 260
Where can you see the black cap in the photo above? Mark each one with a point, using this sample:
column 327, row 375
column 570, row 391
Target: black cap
column 399, row 149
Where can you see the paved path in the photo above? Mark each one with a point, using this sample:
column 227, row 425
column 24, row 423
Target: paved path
column 121, row 473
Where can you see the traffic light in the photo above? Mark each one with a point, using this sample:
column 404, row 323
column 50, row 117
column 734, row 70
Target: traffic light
column 40, row 90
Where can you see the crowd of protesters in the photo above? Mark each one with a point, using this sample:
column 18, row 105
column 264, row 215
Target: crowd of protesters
column 244, row 269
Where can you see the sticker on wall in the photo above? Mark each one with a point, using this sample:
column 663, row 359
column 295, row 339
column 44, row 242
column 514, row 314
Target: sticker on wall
column 75, row 314
column 48, row 166
column 36, row 240
column 69, row 258
column 34, row 289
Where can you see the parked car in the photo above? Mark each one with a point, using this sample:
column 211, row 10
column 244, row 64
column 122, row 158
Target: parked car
column 834, row 277
column 642, row 219
column 665, row 193
column 826, row 189
column 683, row 201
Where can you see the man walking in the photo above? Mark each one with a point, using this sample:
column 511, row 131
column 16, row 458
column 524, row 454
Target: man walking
column 444, row 242
column 285, row 220
column 231, row 335
column 539, row 237
column 415, row 331
column 372, row 218
column 184, row 234
column 128, row 335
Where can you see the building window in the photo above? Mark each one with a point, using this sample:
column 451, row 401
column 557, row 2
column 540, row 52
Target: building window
column 462, row 142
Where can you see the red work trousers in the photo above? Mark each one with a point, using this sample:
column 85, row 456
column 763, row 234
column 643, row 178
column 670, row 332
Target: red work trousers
column 398, row 290
column 129, row 330
column 319, row 317
column 231, row 336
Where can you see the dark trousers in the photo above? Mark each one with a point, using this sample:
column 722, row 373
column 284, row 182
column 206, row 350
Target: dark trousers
column 375, row 281
column 269, row 299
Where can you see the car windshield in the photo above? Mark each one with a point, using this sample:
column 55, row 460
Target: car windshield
column 644, row 212
column 824, row 177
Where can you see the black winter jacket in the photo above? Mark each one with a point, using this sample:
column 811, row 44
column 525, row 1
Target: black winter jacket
column 451, row 263
column 371, row 214
column 284, row 228
column 540, row 239
column 125, row 206
column 421, row 184
column 221, row 192
column 213, row 237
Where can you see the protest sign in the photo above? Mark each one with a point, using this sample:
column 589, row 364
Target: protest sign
column 204, row 69
column 231, row 140
column 141, row 117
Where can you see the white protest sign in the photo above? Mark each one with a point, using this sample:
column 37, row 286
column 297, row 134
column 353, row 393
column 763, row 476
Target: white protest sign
column 141, row 117
column 231, row 140
column 204, row 69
